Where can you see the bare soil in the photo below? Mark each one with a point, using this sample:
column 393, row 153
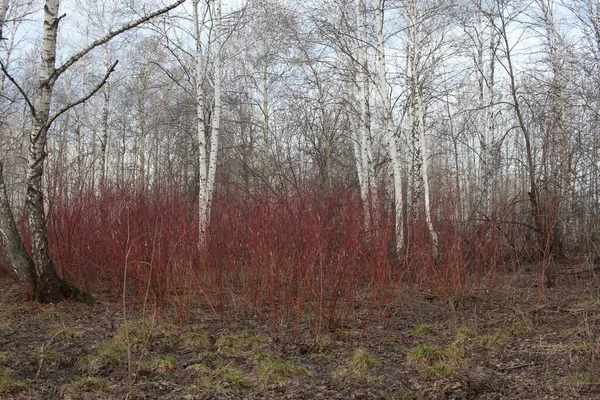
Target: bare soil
column 514, row 340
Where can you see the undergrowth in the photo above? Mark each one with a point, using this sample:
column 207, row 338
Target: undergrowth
column 295, row 257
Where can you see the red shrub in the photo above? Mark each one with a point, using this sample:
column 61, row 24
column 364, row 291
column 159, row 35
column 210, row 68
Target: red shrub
column 293, row 257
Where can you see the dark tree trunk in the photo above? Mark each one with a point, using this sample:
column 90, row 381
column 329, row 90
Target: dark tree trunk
column 19, row 259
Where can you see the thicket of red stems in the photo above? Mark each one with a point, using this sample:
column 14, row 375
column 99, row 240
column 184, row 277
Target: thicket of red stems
column 294, row 258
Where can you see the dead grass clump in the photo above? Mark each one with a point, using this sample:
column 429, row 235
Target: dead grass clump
column 221, row 376
column 243, row 345
column 280, row 371
column 10, row 385
column 107, row 354
column 358, row 371
column 434, row 361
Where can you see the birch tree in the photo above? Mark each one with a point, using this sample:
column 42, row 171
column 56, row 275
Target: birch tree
column 47, row 285
column 363, row 140
column 587, row 14
column 208, row 139
column 106, row 93
column 19, row 258
column 482, row 48
column 391, row 139
column 417, row 84
column 556, row 155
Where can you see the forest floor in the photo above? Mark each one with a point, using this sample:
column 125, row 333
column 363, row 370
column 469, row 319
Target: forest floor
column 514, row 340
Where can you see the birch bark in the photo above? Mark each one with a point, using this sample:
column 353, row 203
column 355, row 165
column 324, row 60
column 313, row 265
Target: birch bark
column 3, row 10
column 48, row 287
column 208, row 145
column 390, row 136
column 559, row 162
column 364, row 142
column 104, row 123
column 216, row 123
column 203, row 210
column 488, row 145
column 21, row 262
column 417, row 113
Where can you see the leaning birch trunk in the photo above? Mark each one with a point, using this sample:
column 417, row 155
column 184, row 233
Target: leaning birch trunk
column 18, row 257
column 534, row 200
column 382, row 86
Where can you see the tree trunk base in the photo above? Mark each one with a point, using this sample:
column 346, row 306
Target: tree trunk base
column 57, row 290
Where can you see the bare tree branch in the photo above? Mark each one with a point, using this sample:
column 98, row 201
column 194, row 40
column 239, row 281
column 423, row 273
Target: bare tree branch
column 112, row 34
column 85, row 98
column 19, row 88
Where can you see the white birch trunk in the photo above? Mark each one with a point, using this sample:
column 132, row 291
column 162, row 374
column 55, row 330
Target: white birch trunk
column 488, row 147
column 413, row 64
column 200, row 126
column 106, row 92
column 557, row 136
column 208, row 149
column 417, row 113
column 3, row 10
column 104, row 123
column 424, row 172
column 47, row 285
column 265, row 110
column 382, row 87
column 364, row 156
column 216, row 122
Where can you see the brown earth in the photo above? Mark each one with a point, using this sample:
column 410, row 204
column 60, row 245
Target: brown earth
column 517, row 340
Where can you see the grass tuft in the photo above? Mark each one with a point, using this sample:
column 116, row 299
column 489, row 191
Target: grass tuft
column 358, row 371
column 195, row 337
column 279, row 371
column 10, row 385
column 89, row 384
column 106, row 354
column 221, row 376
column 161, row 365
column 434, row 361
column 243, row 345
column 135, row 334
column 425, row 330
